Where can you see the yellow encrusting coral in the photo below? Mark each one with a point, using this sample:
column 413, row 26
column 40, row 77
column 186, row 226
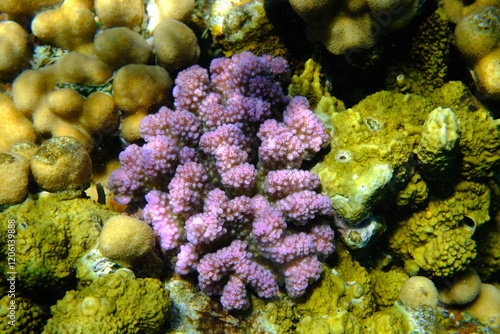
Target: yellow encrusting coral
column 386, row 286
column 53, row 231
column 438, row 238
column 370, row 143
column 27, row 315
column 113, row 303
column 374, row 145
column 309, row 83
column 437, row 148
column 426, row 66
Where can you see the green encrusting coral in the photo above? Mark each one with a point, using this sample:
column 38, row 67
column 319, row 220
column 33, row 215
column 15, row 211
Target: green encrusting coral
column 53, row 231
column 113, row 303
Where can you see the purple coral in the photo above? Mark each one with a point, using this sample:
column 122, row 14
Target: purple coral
column 283, row 182
column 304, row 125
column 191, row 88
column 182, row 126
column 302, row 206
column 250, row 76
column 222, row 182
column 164, row 220
column 188, row 188
column 236, row 262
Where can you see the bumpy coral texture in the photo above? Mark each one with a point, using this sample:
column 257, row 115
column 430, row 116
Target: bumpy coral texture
column 55, row 232
column 425, row 68
column 370, row 156
column 30, row 316
column 350, row 25
column 114, row 303
column 438, row 239
column 223, row 185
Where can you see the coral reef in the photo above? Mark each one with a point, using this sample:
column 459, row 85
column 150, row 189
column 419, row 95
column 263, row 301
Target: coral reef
column 121, row 46
column 461, row 289
column 234, row 26
column 15, row 127
column 126, row 239
column 61, row 163
column 486, row 307
column 114, row 303
column 70, row 26
column 309, row 83
column 14, row 49
column 352, row 25
column 425, row 67
column 197, row 214
column 476, row 36
column 373, row 156
column 28, row 316
column 457, row 9
column 139, row 89
column 396, row 110
column 14, row 178
column 175, row 45
column 53, row 232
column 25, row 8
column 386, row 286
column 438, row 239
column 418, row 291
column 118, row 39
column 115, row 13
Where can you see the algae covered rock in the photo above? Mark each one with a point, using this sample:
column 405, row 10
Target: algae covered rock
column 52, row 232
column 114, row 303
column 487, row 261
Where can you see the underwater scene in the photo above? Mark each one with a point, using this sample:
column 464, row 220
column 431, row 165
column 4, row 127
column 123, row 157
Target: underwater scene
column 250, row 166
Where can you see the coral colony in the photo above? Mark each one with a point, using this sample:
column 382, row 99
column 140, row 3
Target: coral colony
column 222, row 180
